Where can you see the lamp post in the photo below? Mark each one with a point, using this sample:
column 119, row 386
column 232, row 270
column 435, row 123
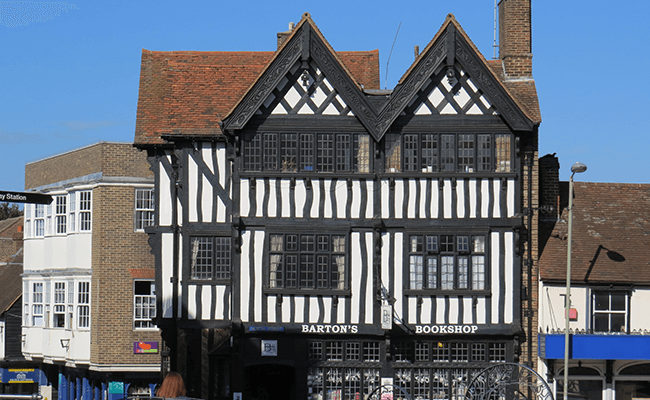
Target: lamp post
column 575, row 168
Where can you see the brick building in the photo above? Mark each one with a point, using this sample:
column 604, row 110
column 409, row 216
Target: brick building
column 88, row 285
column 609, row 326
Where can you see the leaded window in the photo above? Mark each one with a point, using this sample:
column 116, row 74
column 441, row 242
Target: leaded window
column 343, row 369
column 307, row 152
column 447, row 262
column 445, row 152
column 210, row 257
column 307, row 261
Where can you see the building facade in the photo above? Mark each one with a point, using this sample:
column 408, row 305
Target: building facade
column 610, row 287
column 88, row 280
column 317, row 237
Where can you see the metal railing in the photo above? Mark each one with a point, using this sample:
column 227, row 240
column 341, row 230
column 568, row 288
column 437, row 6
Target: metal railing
column 34, row 396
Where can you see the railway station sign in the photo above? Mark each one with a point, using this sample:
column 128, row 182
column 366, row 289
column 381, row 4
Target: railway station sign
column 23, row 197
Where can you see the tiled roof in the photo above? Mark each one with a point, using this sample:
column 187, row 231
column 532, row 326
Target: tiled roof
column 189, row 92
column 611, row 235
column 523, row 92
column 12, row 285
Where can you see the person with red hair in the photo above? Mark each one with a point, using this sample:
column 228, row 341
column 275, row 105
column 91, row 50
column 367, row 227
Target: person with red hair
column 172, row 386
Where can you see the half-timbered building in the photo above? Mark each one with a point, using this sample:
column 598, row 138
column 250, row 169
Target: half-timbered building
column 319, row 237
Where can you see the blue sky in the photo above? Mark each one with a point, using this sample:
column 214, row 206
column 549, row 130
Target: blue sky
column 69, row 72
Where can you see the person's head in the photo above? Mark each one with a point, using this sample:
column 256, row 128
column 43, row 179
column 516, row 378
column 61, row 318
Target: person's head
column 172, row 386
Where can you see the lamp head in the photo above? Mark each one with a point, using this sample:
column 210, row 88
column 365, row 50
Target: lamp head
column 578, row 168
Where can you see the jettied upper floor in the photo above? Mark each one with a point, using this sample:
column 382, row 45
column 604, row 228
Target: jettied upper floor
column 212, row 94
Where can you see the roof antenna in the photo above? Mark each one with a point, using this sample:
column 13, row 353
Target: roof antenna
column 495, row 45
column 391, row 52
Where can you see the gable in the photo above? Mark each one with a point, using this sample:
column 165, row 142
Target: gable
column 444, row 95
column 449, row 78
column 304, row 90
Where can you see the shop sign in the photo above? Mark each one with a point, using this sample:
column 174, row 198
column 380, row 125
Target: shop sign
column 145, row 347
column 326, row 328
column 270, row 348
column 446, row 329
column 19, row 375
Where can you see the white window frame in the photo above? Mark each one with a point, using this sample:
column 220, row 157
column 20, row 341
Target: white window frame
column 83, row 305
column 85, row 211
column 38, row 305
column 39, row 220
column 60, row 214
column 59, row 305
column 144, row 209
column 144, row 305
column 72, row 212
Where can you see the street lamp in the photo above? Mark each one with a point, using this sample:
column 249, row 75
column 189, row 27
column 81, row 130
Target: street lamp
column 575, row 168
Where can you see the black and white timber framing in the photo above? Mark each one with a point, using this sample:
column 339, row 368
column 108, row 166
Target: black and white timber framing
column 207, row 187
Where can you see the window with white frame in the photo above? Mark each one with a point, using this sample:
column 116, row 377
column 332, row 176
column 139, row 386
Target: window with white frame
column 26, row 298
column 59, row 305
column 144, row 208
column 37, row 304
column 72, row 227
column 39, row 220
column 28, row 220
column 447, row 262
column 61, row 213
column 48, row 219
column 83, row 305
column 610, row 311
column 85, row 210
column 144, row 304
column 70, row 320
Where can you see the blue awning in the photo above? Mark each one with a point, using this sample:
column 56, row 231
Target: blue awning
column 596, row 347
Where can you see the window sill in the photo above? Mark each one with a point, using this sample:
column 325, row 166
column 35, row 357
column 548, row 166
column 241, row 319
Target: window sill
column 307, row 292
column 438, row 292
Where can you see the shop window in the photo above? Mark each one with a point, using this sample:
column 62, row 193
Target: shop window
column 342, row 369
column 610, row 311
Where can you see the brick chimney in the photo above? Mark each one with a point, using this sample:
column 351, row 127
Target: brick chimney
column 282, row 36
column 549, row 184
column 515, row 38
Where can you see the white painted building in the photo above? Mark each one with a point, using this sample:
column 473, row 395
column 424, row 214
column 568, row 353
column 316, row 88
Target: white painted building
column 609, row 356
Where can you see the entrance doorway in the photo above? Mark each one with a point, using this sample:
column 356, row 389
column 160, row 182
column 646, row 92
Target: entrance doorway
column 269, row 382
